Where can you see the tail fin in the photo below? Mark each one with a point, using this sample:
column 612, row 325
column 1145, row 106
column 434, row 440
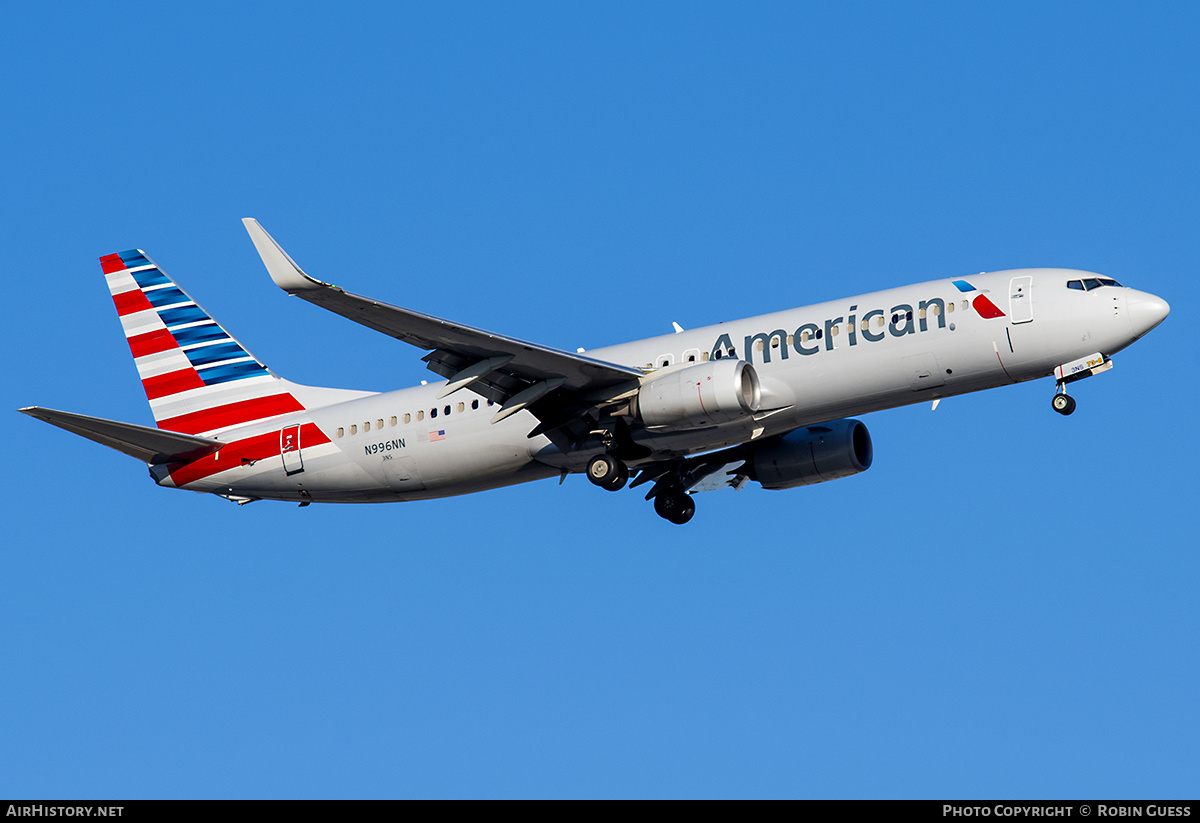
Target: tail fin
column 198, row 379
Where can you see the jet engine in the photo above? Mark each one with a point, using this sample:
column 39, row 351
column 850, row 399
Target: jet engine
column 811, row 455
column 703, row 394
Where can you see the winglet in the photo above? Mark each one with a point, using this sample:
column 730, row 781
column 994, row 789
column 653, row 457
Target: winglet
column 282, row 268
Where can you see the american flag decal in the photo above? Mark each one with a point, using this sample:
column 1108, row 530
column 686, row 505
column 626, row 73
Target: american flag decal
column 440, row 434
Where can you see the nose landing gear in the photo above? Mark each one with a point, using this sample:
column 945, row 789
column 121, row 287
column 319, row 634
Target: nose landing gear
column 1063, row 403
column 1070, row 372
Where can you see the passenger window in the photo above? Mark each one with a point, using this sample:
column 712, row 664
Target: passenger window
column 379, row 422
column 718, row 354
column 936, row 309
column 432, row 413
column 421, row 414
column 966, row 305
column 341, row 431
column 704, row 356
column 758, row 346
column 474, row 404
column 354, row 429
column 804, row 337
column 407, row 417
column 833, row 331
column 879, row 322
column 775, row 342
column 908, row 316
column 446, row 410
column 691, row 355
column 920, row 314
column 491, row 403
column 366, row 427
column 950, row 308
column 462, row 407
column 393, row 420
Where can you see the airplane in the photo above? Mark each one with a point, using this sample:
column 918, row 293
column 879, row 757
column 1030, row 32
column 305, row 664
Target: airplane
column 768, row 399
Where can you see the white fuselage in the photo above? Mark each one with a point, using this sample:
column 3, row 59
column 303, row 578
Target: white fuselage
column 816, row 363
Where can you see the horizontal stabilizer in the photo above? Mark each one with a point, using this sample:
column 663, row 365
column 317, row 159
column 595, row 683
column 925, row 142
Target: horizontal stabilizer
column 149, row 445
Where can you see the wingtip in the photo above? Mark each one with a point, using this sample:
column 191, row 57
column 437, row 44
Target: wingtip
column 282, row 268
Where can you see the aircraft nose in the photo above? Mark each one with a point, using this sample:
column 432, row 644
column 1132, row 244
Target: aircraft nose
column 1146, row 311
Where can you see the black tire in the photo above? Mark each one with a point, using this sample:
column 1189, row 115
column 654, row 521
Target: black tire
column 621, row 479
column 676, row 507
column 685, row 514
column 607, row 472
column 1064, row 404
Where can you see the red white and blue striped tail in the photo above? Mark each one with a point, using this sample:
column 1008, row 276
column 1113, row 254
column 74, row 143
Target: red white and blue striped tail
column 198, row 379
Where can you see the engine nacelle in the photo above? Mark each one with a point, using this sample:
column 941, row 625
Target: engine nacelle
column 812, row 454
column 704, row 394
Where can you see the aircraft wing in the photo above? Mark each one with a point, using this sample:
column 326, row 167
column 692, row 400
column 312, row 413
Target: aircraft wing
column 511, row 372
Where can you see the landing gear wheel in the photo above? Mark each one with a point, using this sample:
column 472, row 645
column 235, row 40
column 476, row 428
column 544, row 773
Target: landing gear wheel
column 607, row 472
column 1064, row 404
column 676, row 507
column 685, row 514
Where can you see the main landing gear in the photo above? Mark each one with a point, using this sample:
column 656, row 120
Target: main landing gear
column 675, row 506
column 671, row 502
column 607, row 472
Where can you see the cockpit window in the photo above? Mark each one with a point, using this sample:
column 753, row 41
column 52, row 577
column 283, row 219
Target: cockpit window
column 1089, row 283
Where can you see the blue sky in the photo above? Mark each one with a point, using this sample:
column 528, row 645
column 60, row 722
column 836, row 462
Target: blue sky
column 1003, row 606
